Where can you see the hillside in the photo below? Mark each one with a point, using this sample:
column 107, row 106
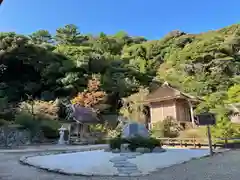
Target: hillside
column 47, row 67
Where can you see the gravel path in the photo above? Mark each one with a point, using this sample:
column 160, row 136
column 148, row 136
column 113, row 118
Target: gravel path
column 220, row 167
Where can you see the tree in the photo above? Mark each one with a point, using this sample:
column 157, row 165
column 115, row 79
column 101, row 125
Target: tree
column 92, row 96
column 224, row 128
column 69, row 35
column 3, row 100
column 133, row 106
column 41, row 36
column 234, row 94
column 205, row 64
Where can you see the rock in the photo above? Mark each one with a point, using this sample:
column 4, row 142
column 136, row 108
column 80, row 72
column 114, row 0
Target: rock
column 134, row 129
column 128, row 170
column 108, row 149
column 116, row 151
column 131, row 155
column 136, row 174
column 124, row 148
column 124, row 165
column 143, row 150
column 119, row 164
column 122, row 174
column 118, row 159
column 158, row 150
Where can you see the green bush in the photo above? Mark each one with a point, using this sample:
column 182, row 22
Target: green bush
column 27, row 121
column 138, row 142
column 101, row 141
column 115, row 143
column 169, row 127
column 38, row 123
column 199, row 132
column 135, row 143
column 3, row 122
column 7, row 114
column 50, row 129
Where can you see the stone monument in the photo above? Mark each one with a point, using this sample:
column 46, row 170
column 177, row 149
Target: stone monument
column 134, row 129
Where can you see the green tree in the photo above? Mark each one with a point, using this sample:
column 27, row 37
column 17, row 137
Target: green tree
column 41, row 36
column 234, row 94
column 69, row 35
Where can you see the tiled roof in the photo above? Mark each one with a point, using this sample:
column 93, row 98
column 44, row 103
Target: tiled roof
column 84, row 115
column 166, row 92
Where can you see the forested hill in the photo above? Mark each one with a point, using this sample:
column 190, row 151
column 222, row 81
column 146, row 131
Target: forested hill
column 47, row 66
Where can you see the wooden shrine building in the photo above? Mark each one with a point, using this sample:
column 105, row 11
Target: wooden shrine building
column 167, row 101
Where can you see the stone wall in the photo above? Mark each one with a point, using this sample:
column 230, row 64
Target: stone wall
column 11, row 137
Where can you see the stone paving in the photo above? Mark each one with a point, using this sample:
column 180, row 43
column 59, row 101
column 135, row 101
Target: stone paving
column 124, row 167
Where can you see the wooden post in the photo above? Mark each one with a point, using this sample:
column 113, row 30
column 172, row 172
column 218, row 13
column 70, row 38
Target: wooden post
column 78, row 130
column 209, row 140
column 191, row 113
column 69, row 134
column 81, row 132
column 194, row 142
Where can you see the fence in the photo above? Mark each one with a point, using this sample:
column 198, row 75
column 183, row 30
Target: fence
column 193, row 142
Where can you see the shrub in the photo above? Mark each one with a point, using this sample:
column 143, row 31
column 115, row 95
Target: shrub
column 27, row 121
column 38, row 124
column 194, row 133
column 101, row 141
column 3, row 122
column 138, row 142
column 113, row 133
column 169, row 127
column 115, row 143
column 50, row 129
column 46, row 109
column 134, row 143
column 157, row 130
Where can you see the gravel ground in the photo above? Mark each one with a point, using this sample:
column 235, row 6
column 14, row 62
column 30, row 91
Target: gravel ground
column 223, row 166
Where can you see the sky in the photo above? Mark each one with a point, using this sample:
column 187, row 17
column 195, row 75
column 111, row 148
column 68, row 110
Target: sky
column 151, row 19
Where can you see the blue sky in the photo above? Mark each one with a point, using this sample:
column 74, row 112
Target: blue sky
column 152, row 18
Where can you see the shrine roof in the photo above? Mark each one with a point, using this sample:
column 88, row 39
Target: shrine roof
column 167, row 92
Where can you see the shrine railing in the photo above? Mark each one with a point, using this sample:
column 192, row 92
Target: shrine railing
column 200, row 142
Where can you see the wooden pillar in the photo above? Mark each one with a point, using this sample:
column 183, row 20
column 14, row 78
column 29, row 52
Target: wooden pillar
column 69, row 134
column 78, row 128
column 191, row 113
column 209, row 140
column 81, row 131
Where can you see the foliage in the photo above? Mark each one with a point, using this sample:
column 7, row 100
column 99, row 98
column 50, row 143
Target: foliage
column 45, row 109
column 136, row 142
column 3, row 122
column 27, row 121
column 47, row 67
column 91, row 96
column 224, row 127
column 50, row 129
column 37, row 124
column 113, row 133
column 234, row 94
column 169, row 127
column 97, row 128
column 199, row 132
column 133, row 106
